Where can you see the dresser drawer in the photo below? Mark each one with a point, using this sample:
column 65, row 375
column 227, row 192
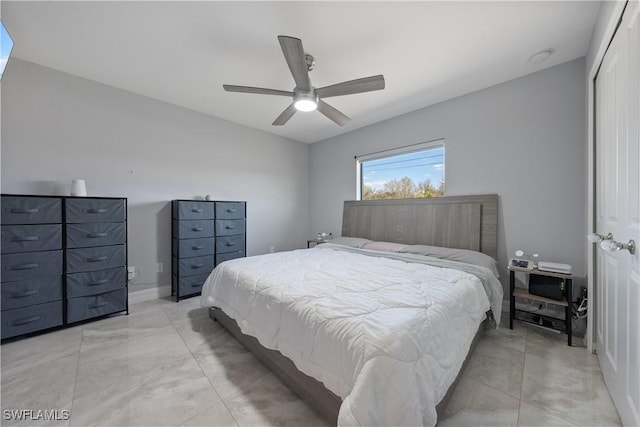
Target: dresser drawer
column 227, row 227
column 94, row 210
column 230, row 210
column 31, row 210
column 193, row 229
column 22, row 293
column 96, row 282
column 230, row 244
column 190, row 285
column 96, row 234
column 193, row 210
column 31, row 265
column 193, row 247
column 92, row 259
column 29, row 238
column 227, row 256
column 193, row 266
column 96, row 305
column 30, row 319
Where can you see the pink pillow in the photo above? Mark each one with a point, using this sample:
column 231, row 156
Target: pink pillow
column 384, row 246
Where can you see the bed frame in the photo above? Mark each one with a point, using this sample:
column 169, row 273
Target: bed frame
column 463, row 222
column 324, row 401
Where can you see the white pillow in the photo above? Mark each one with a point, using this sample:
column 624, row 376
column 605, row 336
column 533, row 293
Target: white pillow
column 460, row 255
column 384, row 246
column 353, row 242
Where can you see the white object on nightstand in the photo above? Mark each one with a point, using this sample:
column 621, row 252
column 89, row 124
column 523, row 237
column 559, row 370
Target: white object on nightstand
column 554, row 267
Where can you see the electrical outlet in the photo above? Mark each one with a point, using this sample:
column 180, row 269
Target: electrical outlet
column 160, row 267
column 131, row 272
column 272, row 249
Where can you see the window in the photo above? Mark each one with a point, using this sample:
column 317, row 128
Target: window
column 5, row 48
column 415, row 171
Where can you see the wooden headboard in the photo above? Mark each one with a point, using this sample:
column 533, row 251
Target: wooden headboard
column 463, row 222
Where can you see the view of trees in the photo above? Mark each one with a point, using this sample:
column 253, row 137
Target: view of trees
column 403, row 188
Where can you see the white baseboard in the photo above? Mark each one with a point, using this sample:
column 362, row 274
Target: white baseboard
column 149, row 294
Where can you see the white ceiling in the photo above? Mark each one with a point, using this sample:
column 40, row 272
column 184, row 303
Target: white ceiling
column 182, row 52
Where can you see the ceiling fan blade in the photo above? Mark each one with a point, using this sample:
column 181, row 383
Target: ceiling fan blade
column 259, row 90
column 365, row 84
column 333, row 114
column 285, row 116
column 294, row 54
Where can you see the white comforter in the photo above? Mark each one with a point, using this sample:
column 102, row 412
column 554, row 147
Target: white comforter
column 387, row 336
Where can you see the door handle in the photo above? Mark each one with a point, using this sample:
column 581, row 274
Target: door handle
column 614, row 246
column 597, row 238
column 26, row 320
column 26, row 239
column 96, row 235
column 25, row 210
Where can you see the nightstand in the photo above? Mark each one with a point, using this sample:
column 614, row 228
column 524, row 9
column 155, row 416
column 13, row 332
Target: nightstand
column 524, row 293
column 316, row 242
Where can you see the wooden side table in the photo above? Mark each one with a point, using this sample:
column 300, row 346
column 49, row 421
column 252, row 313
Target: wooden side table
column 315, row 241
column 523, row 293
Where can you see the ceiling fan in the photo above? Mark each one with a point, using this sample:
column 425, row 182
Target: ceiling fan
column 305, row 96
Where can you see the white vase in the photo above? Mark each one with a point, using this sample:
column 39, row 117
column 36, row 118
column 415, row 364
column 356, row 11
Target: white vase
column 78, row 188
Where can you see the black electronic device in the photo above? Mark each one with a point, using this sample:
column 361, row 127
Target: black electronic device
column 521, row 263
column 546, row 286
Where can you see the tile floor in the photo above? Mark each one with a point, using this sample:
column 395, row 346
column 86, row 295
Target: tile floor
column 168, row 364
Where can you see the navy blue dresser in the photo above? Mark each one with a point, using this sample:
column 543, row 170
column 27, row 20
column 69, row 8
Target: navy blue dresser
column 96, row 257
column 31, row 280
column 204, row 234
column 64, row 259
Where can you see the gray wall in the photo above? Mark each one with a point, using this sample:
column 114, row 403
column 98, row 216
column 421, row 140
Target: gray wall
column 523, row 139
column 57, row 127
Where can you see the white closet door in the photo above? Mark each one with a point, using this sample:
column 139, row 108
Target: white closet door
column 618, row 212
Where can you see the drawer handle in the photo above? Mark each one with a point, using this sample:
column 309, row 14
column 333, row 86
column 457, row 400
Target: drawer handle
column 98, row 258
column 196, row 285
column 24, row 293
column 25, row 210
column 98, row 282
column 197, row 248
column 197, row 228
column 96, row 235
column 26, row 239
column 231, row 210
column 196, row 210
column 26, row 266
column 230, row 244
column 97, row 211
column 98, row 305
column 194, row 266
column 230, row 227
column 26, row 320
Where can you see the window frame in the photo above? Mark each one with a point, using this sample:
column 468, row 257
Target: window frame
column 407, row 149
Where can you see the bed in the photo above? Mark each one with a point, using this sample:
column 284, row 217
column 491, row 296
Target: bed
column 372, row 330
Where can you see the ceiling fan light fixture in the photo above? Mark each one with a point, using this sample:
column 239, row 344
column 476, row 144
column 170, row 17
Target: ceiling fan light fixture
column 306, row 97
column 305, row 102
